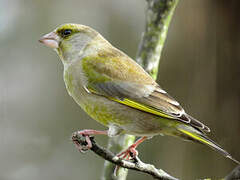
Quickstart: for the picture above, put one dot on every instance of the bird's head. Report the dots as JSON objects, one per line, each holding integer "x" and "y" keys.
{"x": 70, "y": 40}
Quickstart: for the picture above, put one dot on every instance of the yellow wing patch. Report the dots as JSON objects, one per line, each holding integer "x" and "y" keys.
{"x": 196, "y": 137}
{"x": 141, "y": 107}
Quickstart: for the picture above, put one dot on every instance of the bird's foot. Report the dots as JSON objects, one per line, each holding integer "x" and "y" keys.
{"x": 130, "y": 153}
{"x": 87, "y": 143}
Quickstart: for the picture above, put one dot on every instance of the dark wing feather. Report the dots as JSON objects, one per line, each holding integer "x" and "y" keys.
{"x": 160, "y": 99}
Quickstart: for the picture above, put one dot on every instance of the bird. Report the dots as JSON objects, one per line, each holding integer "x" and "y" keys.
{"x": 118, "y": 93}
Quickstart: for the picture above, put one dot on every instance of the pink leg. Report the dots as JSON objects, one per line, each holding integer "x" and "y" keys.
{"x": 86, "y": 133}
{"x": 130, "y": 152}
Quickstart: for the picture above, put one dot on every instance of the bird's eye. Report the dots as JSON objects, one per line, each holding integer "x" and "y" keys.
{"x": 66, "y": 32}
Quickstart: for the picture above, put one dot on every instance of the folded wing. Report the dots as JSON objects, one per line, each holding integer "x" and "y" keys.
{"x": 122, "y": 80}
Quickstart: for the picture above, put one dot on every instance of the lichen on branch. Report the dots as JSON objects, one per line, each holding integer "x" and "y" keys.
{"x": 158, "y": 16}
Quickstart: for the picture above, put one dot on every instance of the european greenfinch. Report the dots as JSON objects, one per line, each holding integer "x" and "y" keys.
{"x": 115, "y": 91}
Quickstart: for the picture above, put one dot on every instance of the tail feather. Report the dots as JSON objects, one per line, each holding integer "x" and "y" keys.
{"x": 200, "y": 137}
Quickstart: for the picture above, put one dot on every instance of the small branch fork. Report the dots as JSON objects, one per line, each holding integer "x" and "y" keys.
{"x": 135, "y": 163}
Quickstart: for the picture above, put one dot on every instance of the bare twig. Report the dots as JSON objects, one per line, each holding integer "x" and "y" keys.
{"x": 135, "y": 164}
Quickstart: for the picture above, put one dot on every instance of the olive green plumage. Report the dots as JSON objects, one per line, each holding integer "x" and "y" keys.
{"x": 115, "y": 91}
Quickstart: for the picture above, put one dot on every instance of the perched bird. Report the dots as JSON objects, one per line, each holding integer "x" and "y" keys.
{"x": 115, "y": 91}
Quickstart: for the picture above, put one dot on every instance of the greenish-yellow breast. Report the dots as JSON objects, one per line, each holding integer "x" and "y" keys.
{"x": 98, "y": 107}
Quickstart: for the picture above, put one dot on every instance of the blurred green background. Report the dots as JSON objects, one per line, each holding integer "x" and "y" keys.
{"x": 200, "y": 67}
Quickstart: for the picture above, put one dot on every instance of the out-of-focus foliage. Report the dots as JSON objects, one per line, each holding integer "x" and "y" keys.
{"x": 200, "y": 67}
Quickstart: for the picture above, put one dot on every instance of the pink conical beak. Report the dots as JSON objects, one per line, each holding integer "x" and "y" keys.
{"x": 51, "y": 40}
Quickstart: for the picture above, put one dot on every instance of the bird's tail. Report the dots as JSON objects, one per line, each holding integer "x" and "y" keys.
{"x": 202, "y": 138}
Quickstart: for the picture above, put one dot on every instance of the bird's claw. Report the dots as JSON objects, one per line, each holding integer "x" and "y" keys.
{"x": 130, "y": 154}
{"x": 85, "y": 143}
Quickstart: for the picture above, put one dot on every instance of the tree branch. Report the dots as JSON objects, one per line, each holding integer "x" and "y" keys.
{"x": 136, "y": 163}
{"x": 158, "y": 17}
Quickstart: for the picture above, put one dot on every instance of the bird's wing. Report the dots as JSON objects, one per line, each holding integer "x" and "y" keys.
{"x": 122, "y": 80}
